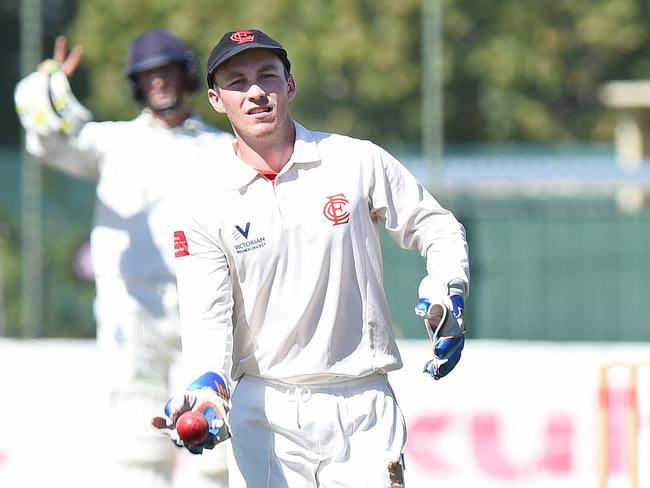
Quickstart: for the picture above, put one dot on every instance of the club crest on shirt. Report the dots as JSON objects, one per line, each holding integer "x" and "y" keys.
{"x": 336, "y": 209}
{"x": 249, "y": 244}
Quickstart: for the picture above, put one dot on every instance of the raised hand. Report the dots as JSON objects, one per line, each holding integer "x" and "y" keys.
{"x": 66, "y": 63}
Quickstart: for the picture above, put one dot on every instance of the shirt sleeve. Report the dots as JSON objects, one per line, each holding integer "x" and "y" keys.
{"x": 205, "y": 299}
{"x": 415, "y": 220}
{"x": 79, "y": 156}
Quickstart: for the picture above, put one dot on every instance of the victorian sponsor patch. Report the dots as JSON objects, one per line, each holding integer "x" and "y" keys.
{"x": 242, "y": 231}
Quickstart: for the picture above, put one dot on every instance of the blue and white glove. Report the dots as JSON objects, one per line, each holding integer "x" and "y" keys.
{"x": 208, "y": 395}
{"x": 442, "y": 308}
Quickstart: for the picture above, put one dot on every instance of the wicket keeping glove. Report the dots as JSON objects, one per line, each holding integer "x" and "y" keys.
{"x": 207, "y": 395}
{"x": 443, "y": 320}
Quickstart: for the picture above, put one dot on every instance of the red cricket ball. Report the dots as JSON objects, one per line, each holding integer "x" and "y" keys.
{"x": 192, "y": 428}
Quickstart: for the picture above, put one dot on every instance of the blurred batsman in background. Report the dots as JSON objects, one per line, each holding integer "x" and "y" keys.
{"x": 280, "y": 282}
{"x": 134, "y": 164}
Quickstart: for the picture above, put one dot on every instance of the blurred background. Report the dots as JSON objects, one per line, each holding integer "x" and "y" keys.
{"x": 529, "y": 120}
{"x": 497, "y": 106}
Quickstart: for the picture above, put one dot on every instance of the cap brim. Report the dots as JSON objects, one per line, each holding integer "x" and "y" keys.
{"x": 246, "y": 47}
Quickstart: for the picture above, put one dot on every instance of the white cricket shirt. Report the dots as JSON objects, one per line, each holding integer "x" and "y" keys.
{"x": 134, "y": 163}
{"x": 284, "y": 280}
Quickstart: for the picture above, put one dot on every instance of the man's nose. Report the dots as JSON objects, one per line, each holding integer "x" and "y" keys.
{"x": 157, "y": 80}
{"x": 256, "y": 91}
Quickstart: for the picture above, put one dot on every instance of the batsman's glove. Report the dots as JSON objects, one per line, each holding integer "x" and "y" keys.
{"x": 208, "y": 395}
{"x": 443, "y": 321}
{"x": 46, "y": 105}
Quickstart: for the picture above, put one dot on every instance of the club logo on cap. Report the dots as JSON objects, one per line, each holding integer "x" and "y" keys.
{"x": 242, "y": 37}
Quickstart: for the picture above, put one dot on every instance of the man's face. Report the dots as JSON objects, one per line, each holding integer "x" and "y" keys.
{"x": 163, "y": 87}
{"x": 253, "y": 90}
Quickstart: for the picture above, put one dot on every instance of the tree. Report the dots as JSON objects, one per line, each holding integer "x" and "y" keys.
{"x": 355, "y": 61}
{"x": 513, "y": 70}
{"x": 530, "y": 71}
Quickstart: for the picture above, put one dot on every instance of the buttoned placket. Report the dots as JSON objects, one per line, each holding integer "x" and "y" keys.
{"x": 284, "y": 203}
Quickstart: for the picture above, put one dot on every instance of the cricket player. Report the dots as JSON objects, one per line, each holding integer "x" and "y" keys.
{"x": 280, "y": 282}
{"x": 135, "y": 164}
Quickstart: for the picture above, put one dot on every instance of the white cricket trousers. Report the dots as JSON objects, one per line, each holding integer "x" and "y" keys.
{"x": 330, "y": 435}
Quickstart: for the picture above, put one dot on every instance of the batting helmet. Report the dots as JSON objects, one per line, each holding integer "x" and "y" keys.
{"x": 158, "y": 48}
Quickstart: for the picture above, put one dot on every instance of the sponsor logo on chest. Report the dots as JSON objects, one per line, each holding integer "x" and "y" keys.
{"x": 335, "y": 210}
{"x": 243, "y": 243}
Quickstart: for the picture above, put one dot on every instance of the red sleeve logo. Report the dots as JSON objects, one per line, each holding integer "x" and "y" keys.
{"x": 180, "y": 244}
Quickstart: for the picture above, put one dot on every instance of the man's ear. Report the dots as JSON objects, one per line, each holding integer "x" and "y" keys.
{"x": 215, "y": 101}
{"x": 291, "y": 83}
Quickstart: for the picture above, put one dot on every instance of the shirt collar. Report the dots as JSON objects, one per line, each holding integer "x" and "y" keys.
{"x": 236, "y": 174}
{"x": 305, "y": 149}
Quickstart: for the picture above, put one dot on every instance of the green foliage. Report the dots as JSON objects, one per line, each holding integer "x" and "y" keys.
{"x": 9, "y": 276}
{"x": 67, "y": 207}
{"x": 68, "y": 300}
{"x": 353, "y": 61}
{"x": 531, "y": 70}
{"x": 513, "y": 70}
